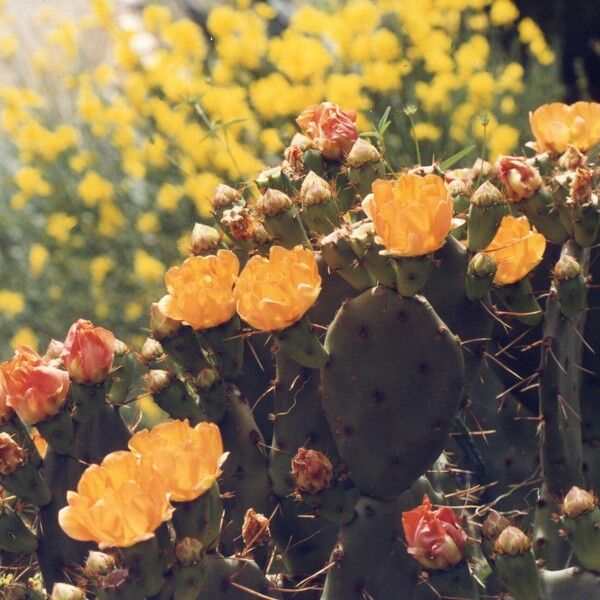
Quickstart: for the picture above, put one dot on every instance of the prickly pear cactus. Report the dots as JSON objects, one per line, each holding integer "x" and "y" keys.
{"x": 376, "y": 386}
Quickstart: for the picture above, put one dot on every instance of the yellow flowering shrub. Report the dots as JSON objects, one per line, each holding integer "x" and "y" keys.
{"x": 131, "y": 117}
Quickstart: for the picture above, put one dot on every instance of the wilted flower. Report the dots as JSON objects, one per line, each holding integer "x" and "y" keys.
{"x": 12, "y": 456}
{"x": 312, "y": 471}
{"x": 255, "y": 529}
{"x": 33, "y": 388}
{"x": 188, "y": 459}
{"x": 189, "y": 551}
{"x": 88, "y": 352}
{"x": 331, "y": 129}
{"x": 119, "y": 503}
{"x": 273, "y": 293}
{"x": 516, "y": 249}
{"x": 435, "y": 537}
{"x": 520, "y": 178}
{"x": 412, "y": 215}
{"x": 200, "y": 290}
{"x": 556, "y": 126}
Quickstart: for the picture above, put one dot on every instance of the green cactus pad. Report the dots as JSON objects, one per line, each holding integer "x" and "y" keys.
{"x": 391, "y": 388}
{"x": 231, "y": 578}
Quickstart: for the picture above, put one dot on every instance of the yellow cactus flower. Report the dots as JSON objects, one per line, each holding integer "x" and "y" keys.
{"x": 187, "y": 459}
{"x": 201, "y": 290}
{"x": 118, "y": 503}
{"x": 516, "y": 249}
{"x": 273, "y": 293}
{"x": 556, "y": 126}
{"x": 412, "y": 215}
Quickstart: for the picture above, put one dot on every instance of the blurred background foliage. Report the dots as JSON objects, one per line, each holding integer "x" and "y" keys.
{"x": 118, "y": 119}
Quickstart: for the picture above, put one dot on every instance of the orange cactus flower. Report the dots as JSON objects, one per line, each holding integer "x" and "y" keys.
{"x": 187, "y": 459}
{"x": 330, "y": 128}
{"x": 412, "y": 215}
{"x": 88, "y": 352}
{"x": 118, "y": 503}
{"x": 201, "y": 290}
{"x": 435, "y": 538}
{"x": 556, "y": 126}
{"x": 30, "y": 385}
{"x": 516, "y": 249}
{"x": 273, "y": 293}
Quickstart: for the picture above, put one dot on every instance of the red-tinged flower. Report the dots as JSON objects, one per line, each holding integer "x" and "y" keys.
{"x": 435, "y": 537}
{"x": 520, "y": 179}
{"x": 331, "y": 129}
{"x": 88, "y": 352}
{"x": 32, "y": 387}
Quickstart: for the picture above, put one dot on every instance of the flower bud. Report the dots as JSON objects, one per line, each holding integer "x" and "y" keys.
{"x": 312, "y": 471}
{"x": 578, "y": 502}
{"x": 362, "y": 153}
{"x": 566, "y": 268}
{"x": 259, "y": 234}
{"x": 64, "y": 591}
{"x": 494, "y": 525}
{"x": 315, "y": 190}
{"x": 482, "y": 168}
{"x": 512, "y": 541}
{"x": 156, "y": 381}
{"x": 457, "y": 187}
{"x": 486, "y": 195}
{"x": 520, "y": 179}
{"x": 189, "y": 551}
{"x": 255, "y": 529}
{"x": 88, "y": 352}
{"x": 161, "y": 325}
{"x": 224, "y": 195}
{"x": 239, "y": 223}
{"x": 99, "y": 563}
{"x": 205, "y": 239}
{"x": 273, "y": 202}
{"x": 151, "y": 350}
{"x": 573, "y": 159}
{"x": 482, "y": 266}
{"x": 12, "y": 456}
{"x": 207, "y": 378}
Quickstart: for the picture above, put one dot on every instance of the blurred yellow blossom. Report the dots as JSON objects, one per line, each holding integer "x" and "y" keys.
{"x": 148, "y": 223}
{"x": 59, "y": 225}
{"x": 24, "y": 337}
{"x": 147, "y": 267}
{"x": 38, "y": 255}
{"x": 503, "y": 12}
{"x": 100, "y": 266}
{"x": 93, "y": 188}
{"x": 11, "y": 303}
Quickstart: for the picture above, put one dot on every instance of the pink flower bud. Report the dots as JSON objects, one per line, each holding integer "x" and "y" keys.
{"x": 435, "y": 538}
{"x": 520, "y": 179}
{"x": 331, "y": 129}
{"x": 88, "y": 352}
